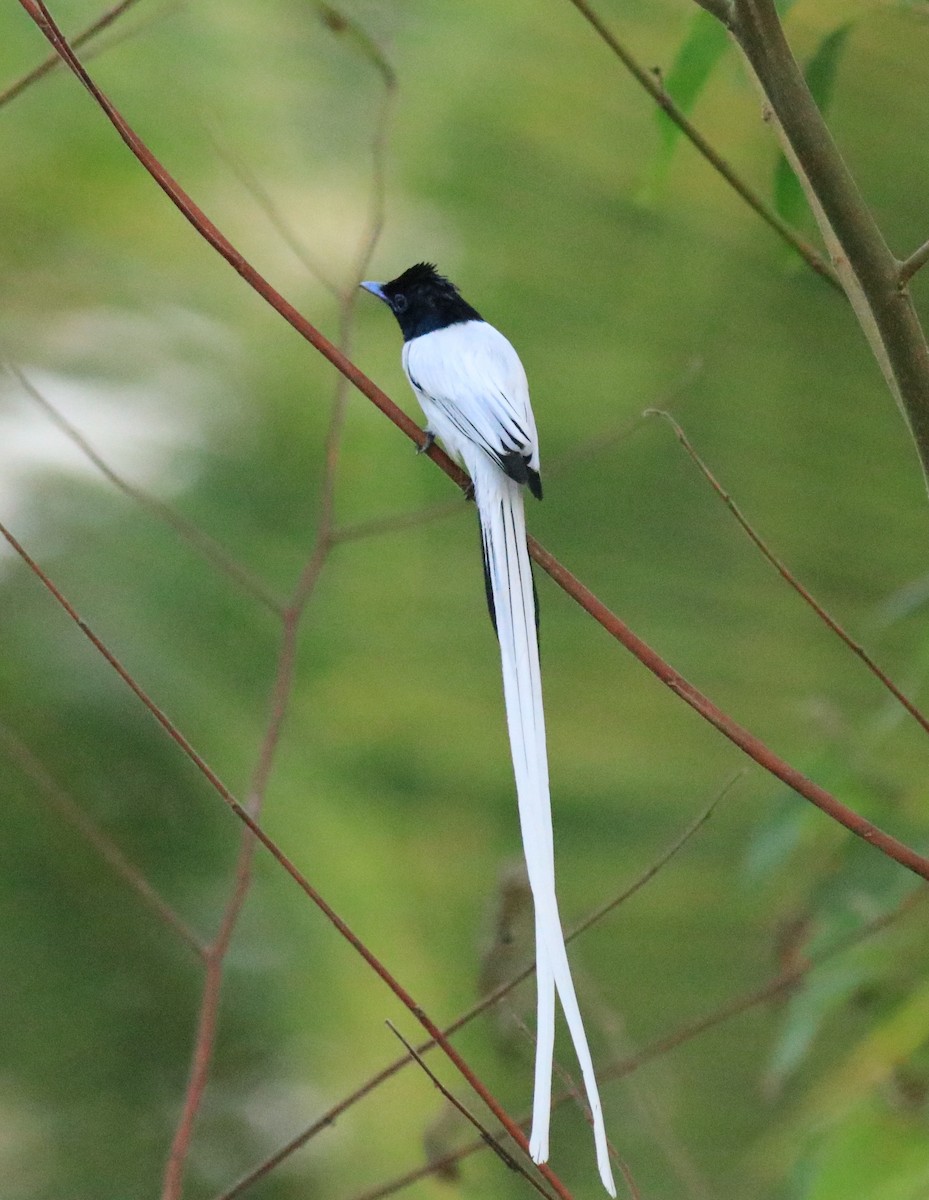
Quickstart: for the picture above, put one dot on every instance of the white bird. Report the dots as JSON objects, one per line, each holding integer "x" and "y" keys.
{"x": 473, "y": 390}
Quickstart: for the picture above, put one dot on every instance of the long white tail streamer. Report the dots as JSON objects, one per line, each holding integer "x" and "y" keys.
{"x": 503, "y": 530}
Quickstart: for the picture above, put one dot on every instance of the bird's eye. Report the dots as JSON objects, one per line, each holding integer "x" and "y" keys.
{"x": 400, "y": 303}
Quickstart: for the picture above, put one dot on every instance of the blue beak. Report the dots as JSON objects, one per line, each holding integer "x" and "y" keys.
{"x": 376, "y": 289}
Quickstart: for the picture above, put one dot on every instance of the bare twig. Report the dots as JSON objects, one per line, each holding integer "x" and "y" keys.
{"x": 97, "y": 26}
{"x": 267, "y": 205}
{"x": 66, "y": 808}
{"x": 486, "y": 1002}
{"x": 767, "y": 992}
{"x": 649, "y": 874}
{"x": 573, "y": 1092}
{"x": 788, "y": 576}
{"x": 205, "y": 545}
{"x": 911, "y": 265}
{"x": 397, "y": 522}
{"x": 655, "y": 89}
{"x": 608, "y": 439}
{"x": 486, "y": 1136}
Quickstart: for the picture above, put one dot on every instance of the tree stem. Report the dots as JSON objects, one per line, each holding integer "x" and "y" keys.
{"x": 905, "y": 358}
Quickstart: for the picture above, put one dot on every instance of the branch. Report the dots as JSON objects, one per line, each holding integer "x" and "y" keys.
{"x": 902, "y": 351}
{"x": 205, "y": 545}
{"x": 486, "y": 1136}
{"x": 102, "y": 22}
{"x": 66, "y": 808}
{"x": 788, "y": 577}
{"x": 655, "y": 89}
{"x": 911, "y": 265}
{"x": 736, "y": 733}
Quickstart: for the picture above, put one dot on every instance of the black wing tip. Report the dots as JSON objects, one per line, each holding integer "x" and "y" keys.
{"x": 515, "y": 465}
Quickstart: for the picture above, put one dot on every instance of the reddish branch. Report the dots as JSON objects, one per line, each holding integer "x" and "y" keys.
{"x": 736, "y": 733}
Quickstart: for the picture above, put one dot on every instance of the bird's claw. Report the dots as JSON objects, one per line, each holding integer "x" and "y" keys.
{"x": 427, "y": 443}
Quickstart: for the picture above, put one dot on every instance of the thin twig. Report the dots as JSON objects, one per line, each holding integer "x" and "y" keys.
{"x": 396, "y": 523}
{"x": 482, "y": 1005}
{"x": 655, "y": 89}
{"x": 195, "y": 537}
{"x": 767, "y": 992}
{"x": 573, "y": 1092}
{"x": 646, "y": 877}
{"x": 68, "y": 810}
{"x": 97, "y": 26}
{"x": 787, "y": 575}
{"x": 265, "y": 202}
{"x": 486, "y": 1136}
{"x": 598, "y": 443}
{"x": 911, "y": 265}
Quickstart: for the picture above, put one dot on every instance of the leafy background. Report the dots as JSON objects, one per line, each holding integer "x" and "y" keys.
{"x": 530, "y": 167}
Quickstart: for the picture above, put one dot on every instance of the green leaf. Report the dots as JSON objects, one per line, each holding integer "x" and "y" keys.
{"x": 875, "y": 1154}
{"x": 874, "y": 1058}
{"x": 701, "y": 50}
{"x": 821, "y": 71}
{"x": 824, "y": 992}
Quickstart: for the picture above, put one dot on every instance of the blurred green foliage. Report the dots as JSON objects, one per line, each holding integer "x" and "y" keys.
{"x": 518, "y": 158}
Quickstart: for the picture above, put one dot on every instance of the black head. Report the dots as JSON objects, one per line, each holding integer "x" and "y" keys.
{"x": 422, "y": 300}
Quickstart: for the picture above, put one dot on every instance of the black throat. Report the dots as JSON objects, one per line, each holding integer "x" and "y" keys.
{"x": 423, "y": 301}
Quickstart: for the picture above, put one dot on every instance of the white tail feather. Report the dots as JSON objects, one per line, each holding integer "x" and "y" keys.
{"x": 503, "y": 528}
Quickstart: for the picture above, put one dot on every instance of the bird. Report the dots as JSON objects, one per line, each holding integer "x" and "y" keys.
{"x": 473, "y": 390}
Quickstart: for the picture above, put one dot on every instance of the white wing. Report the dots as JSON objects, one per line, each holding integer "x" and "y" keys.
{"x": 473, "y": 389}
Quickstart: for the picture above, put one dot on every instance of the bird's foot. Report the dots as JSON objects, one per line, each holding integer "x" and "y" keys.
{"x": 427, "y": 443}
